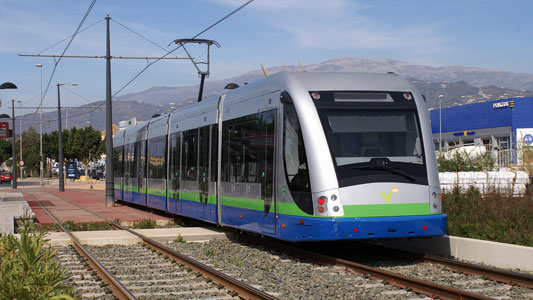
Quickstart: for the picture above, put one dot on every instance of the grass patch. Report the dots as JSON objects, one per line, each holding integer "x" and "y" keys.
{"x": 498, "y": 217}
{"x": 144, "y": 224}
{"x": 28, "y": 269}
{"x": 71, "y": 226}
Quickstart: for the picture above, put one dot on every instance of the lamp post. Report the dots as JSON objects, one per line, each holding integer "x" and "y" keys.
{"x": 20, "y": 126}
{"x": 40, "y": 66}
{"x": 60, "y": 139}
{"x": 68, "y": 97}
{"x": 440, "y": 122}
{"x": 9, "y": 85}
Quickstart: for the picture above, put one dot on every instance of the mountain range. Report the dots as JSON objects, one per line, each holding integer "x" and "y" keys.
{"x": 457, "y": 84}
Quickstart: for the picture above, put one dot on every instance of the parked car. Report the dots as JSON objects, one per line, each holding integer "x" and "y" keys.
{"x": 6, "y": 176}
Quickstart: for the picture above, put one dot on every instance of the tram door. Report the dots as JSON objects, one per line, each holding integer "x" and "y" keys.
{"x": 266, "y": 153}
{"x": 204, "y": 180}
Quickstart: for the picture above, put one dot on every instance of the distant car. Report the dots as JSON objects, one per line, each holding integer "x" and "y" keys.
{"x": 6, "y": 176}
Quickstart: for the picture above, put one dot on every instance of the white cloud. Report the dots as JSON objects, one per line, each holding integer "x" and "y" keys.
{"x": 342, "y": 25}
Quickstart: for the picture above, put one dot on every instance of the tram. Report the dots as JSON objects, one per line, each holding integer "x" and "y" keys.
{"x": 308, "y": 156}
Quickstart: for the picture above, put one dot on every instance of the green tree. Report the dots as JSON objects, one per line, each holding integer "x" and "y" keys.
{"x": 31, "y": 149}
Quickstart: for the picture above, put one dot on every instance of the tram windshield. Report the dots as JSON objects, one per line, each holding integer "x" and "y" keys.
{"x": 366, "y": 144}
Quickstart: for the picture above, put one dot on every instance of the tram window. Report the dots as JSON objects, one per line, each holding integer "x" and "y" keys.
{"x": 190, "y": 157}
{"x": 203, "y": 167}
{"x": 141, "y": 161}
{"x": 214, "y": 152}
{"x": 174, "y": 157}
{"x": 117, "y": 162}
{"x": 296, "y": 167}
{"x": 240, "y": 149}
{"x": 156, "y": 157}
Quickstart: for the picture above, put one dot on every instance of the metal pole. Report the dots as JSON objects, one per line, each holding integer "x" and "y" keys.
{"x": 60, "y": 140}
{"x": 66, "y": 116}
{"x": 14, "y": 149}
{"x": 201, "y": 87}
{"x": 109, "y": 180}
{"x": 41, "y": 132}
{"x": 440, "y": 123}
{"x": 20, "y": 126}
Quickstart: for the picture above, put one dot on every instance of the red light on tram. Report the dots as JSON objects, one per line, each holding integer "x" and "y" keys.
{"x": 301, "y": 221}
{"x": 440, "y": 197}
{"x": 425, "y": 227}
{"x": 320, "y": 201}
{"x": 283, "y": 225}
{"x": 355, "y": 230}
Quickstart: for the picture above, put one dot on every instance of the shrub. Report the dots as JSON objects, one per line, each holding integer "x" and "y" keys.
{"x": 28, "y": 269}
{"x": 460, "y": 161}
{"x": 498, "y": 217}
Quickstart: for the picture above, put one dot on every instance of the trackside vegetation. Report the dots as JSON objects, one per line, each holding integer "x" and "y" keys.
{"x": 27, "y": 267}
{"x": 497, "y": 216}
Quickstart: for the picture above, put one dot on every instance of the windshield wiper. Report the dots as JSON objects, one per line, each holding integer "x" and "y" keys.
{"x": 386, "y": 169}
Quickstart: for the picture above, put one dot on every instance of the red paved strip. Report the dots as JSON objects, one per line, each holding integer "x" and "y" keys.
{"x": 93, "y": 200}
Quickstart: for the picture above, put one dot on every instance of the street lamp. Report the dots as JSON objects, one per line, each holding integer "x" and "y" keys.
{"x": 68, "y": 97}
{"x": 440, "y": 122}
{"x": 20, "y": 126}
{"x": 40, "y": 66}
{"x": 9, "y": 85}
{"x": 60, "y": 139}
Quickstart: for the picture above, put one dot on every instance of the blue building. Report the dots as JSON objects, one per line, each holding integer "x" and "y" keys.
{"x": 503, "y": 124}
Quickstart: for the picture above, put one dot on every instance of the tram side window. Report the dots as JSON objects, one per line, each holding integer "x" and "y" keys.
{"x": 295, "y": 159}
{"x": 156, "y": 157}
{"x": 203, "y": 167}
{"x": 240, "y": 149}
{"x": 140, "y": 147}
{"x": 214, "y": 152}
{"x": 190, "y": 157}
{"x": 117, "y": 162}
{"x": 174, "y": 157}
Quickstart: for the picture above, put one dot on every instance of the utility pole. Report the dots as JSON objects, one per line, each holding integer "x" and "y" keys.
{"x": 20, "y": 126}
{"x": 109, "y": 180}
{"x": 14, "y": 149}
{"x": 60, "y": 139}
{"x": 40, "y": 66}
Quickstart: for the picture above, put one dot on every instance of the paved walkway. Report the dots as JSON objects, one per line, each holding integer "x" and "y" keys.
{"x": 65, "y": 205}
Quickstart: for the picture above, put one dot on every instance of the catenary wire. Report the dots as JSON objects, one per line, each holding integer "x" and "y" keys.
{"x": 138, "y": 34}
{"x": 171, "y": 51}
{"x": 66, "y": 48}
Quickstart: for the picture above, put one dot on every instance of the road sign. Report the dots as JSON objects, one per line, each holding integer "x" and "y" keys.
{"x": 4, "y": 130}
{"x": 21, "y": 163}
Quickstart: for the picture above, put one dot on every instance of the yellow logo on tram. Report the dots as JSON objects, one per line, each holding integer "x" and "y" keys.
{"x": 388, "y": 196}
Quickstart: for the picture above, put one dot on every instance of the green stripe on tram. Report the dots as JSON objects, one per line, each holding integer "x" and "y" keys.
{"x": 386, "y": 210}
{"x": 157, "y": 192}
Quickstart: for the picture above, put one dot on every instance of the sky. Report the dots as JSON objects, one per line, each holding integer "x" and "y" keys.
{"x": 490, "y": 34}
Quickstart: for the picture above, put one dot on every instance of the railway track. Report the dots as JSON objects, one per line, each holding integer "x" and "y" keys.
{"x": 435, "y": 277}
{"x": 145, "y": 271}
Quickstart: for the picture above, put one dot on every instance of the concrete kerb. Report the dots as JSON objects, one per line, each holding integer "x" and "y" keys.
{"x": 119, "y": 237}
{"x": 13, "y": 206}
{"x": 494, "y": 254}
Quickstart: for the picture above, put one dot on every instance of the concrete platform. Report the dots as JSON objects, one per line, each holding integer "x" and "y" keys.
{"x": 495, "y": 254}
{"x": 109, "y": 237}
{"x": 12, "y": 207}
{"x": 93, "y": 200}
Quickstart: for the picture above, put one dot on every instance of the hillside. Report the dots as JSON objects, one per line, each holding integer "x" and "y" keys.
{"x": 458, "y": 85}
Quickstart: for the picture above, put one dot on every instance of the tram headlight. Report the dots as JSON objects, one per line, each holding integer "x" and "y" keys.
{"x": 435, "y": 200}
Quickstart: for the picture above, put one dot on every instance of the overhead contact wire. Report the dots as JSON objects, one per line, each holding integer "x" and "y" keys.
{"x": 197, "y": 35}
